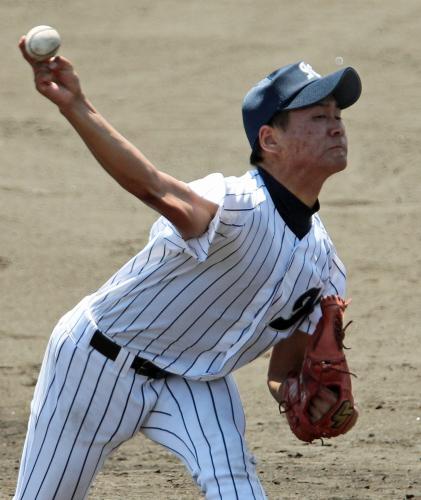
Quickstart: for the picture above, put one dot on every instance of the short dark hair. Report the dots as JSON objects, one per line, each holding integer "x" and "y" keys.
{"x": 279, "y": 120}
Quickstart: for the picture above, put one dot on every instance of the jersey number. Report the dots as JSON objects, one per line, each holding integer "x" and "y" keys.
{"x": 303, "y": 306}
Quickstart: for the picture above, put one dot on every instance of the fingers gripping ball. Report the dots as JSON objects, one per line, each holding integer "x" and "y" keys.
{"x": 42, "y": 42}
{"x": 324, "y": 365}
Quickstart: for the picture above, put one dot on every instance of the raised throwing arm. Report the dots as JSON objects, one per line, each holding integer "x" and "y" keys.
{"x": 56, "y": 80}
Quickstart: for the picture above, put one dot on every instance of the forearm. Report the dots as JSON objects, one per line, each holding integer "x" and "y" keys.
{"x": 172, "y": 198}
{"x": 274, "y": 389}
{"x": 277, "y": 374}
{"x": 123, "y": 161}
{"x": 286, "y": 358}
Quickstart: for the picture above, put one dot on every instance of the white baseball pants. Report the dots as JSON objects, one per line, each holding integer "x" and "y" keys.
{"x": 86, "y": 405}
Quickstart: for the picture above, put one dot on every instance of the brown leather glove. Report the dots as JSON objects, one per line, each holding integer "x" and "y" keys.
{"x": 324, "y": 365}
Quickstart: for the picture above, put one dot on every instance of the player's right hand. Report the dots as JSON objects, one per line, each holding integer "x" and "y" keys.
{"x": 55, "y": 79}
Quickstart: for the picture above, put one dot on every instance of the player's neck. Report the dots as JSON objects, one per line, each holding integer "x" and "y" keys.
{"x": 305, "y": 187}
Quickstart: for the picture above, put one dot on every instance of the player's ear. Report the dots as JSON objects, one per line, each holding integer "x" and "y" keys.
{"x": 268, "y": 139}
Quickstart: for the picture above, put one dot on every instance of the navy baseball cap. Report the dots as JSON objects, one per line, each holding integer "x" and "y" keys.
{"x": 296, "y": 86}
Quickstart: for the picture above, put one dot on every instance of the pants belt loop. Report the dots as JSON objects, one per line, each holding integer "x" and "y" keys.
{"x": 122, "y": 363}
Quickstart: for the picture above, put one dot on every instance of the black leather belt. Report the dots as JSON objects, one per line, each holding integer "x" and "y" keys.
{"x": 110, "y": 349}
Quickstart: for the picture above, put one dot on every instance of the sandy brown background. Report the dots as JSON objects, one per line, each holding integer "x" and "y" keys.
{"x": 171, "y": 76}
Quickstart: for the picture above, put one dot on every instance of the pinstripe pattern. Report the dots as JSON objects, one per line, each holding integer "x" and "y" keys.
{"x": 92, "y": 405}
{"x": 212, "y": 444}
{"x": 200, "y": 308}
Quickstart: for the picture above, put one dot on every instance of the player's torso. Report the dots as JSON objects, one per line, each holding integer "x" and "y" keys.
{"x": 203, "y": 319}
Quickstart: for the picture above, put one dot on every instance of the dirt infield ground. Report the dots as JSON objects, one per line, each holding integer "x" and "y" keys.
{"x": 171, "y": 75}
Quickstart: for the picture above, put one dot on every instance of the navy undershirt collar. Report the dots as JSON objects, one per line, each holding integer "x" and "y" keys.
{"x": 296, "y": 214}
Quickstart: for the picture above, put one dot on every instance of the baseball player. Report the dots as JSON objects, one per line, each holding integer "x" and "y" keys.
{"x": 233, "y": 267}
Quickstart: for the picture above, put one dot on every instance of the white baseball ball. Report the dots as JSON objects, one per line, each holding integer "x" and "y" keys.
{"x": 42, "y": 42}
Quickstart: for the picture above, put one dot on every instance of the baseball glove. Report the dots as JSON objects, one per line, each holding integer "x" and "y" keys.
{"x": 324, "y": 365}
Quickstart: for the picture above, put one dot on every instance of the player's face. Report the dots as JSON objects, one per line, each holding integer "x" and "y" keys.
{"x": 315, "y": 138}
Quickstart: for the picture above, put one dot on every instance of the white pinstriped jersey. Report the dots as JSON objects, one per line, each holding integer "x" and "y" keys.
{"x": 201, "y": 308}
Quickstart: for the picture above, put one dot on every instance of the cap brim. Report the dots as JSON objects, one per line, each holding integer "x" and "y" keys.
{"x": 344, "y": 85}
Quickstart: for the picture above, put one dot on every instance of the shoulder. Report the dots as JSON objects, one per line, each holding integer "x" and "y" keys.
{"x": 237, "y": 197}
{"x": 245, "y": 192}
{"x": 321, "y": 231}
{"x": 232, "y": 192}
{"x": 319, "y": 224}
{"x": 335, "y": 262}
{"x": 211, "y": 187}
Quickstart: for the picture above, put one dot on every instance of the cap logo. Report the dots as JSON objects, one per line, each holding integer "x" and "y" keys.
{"x": 308, "y": 70}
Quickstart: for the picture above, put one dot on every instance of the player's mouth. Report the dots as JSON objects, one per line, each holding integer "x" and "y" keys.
{"x": 339, "y": 147}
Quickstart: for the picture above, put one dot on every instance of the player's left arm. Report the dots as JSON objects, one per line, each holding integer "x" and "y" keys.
{"x": 286, "y": 358}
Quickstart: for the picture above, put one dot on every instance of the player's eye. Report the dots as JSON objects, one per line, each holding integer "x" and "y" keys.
{"x": 319, "y": 117}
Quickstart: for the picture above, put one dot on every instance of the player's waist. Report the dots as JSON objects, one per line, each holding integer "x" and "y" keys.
{"x": 111, "y": 350}
{"x": 85, "y": 333}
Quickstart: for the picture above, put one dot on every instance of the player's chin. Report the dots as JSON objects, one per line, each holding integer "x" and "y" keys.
{"x": 341, "y": 166}
{"x": 338, "y": 160}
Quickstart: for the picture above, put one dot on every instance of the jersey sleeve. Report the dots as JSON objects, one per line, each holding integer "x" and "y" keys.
{"x": 334, "y": 285}
{"x": 337, "y": 278}
{"x": 223, "y": 225}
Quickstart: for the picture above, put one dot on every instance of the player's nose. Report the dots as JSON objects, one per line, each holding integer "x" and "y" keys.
{"x": 336, "y": 127}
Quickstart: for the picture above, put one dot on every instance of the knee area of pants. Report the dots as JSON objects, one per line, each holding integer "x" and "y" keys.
{"x": 227, "y": 484}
